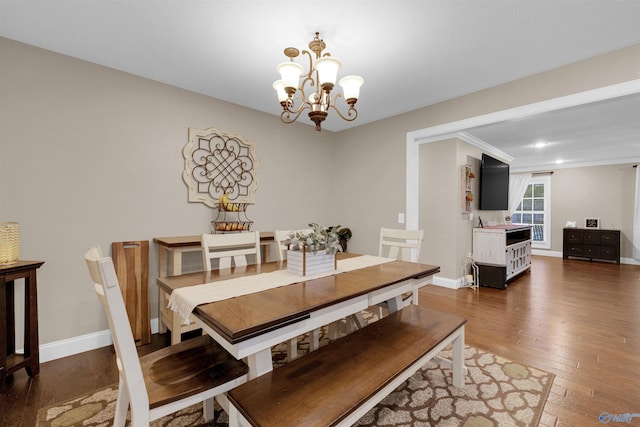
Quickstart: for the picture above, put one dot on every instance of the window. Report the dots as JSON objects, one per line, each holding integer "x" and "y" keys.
{"x": 535, "y": 209}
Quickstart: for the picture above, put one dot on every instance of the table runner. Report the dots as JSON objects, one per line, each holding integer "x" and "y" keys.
{"x": 184, "y": 300}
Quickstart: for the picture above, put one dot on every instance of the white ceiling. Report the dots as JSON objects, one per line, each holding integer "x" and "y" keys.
{"x": 410, "y": 53}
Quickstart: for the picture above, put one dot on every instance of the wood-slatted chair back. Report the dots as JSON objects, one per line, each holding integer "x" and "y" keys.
{"x": 281, "y": 236}
{"x": 402, "y": 245}
{"x": 231, "y": 248}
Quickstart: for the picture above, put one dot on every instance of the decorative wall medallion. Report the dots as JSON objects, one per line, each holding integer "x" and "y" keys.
{"x": 218, "y": 162}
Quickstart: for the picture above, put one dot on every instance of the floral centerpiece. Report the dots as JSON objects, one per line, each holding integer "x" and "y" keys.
{"x": 319, "y": 239}
{"x": 313, "y": 252}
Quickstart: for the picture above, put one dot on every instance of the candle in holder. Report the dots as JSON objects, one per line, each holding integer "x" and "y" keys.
{"x": 9, "y": 243}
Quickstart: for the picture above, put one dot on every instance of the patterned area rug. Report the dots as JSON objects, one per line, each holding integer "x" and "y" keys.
{"x": 497, "y": 392}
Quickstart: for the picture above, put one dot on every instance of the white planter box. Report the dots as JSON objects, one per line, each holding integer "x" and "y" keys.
{"x": 305, "y": 263}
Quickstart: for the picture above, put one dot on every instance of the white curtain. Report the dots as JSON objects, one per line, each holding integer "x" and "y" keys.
{"x": 636, "y": 218}
{"x": 518, "y": 183}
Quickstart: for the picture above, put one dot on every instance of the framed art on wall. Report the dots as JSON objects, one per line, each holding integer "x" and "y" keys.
{"x": 592, "y": 223}
{"x": 218, "y": 163}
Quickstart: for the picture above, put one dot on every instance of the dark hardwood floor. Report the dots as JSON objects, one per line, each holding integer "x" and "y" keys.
{"x": 579, "y": 320}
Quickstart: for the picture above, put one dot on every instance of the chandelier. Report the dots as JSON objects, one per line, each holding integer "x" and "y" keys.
{"x": 320, "y": 80}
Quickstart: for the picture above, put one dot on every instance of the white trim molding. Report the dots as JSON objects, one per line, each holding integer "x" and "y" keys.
{"x": 456, "y": 129}
{"x": 447, "y": 283}
{"x": 80, "y": 344}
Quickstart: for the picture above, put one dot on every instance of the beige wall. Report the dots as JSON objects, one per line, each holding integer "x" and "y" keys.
{"x": 89, "y": 155}
{"x": 605, "y": 192}
{"x": 375, "y": 154}
{"x": 439, "y": 205}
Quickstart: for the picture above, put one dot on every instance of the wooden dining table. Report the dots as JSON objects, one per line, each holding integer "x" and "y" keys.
{"x": 249, "y": 325}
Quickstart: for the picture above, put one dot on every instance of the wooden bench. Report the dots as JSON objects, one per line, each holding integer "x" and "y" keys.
{"x": 339, "y": 383}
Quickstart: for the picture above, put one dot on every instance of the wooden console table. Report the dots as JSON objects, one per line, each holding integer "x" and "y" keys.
{"x": 9, "y": 361}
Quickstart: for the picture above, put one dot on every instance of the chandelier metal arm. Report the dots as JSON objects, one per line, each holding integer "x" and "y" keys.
{"x": 319, "y": 101}
{"x": 289, "y": 115}
{"x": 351, "y": 111}
{"x": 285, "y": 116}
{"x": 310, "y": 63}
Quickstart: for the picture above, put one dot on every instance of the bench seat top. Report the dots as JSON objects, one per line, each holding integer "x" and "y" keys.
{"x": 325, "y": 386}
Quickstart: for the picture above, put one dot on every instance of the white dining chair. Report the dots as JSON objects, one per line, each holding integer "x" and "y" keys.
{"x": 230, "y": 249}
{"x": 224, "y": 247}
{"x": 403, "y": 245}
{"x": 281, "y": 237}
{"x": 169, "y": 379}
{"x": 172, "y": 320}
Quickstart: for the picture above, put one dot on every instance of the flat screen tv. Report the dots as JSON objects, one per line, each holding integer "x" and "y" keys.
{"x": 494, "y": 184}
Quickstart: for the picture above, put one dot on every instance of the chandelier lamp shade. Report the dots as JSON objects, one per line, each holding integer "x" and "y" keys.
{"x": 319, "y": 81}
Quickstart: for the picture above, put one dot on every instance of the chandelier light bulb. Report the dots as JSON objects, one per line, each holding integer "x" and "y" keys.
{"x": 290, "y": 73}
{"x": 327, "y": 68}
{"x": 351, "y": 87}
{"x": 282, "y": 94}
{"x": 320, "y": 79}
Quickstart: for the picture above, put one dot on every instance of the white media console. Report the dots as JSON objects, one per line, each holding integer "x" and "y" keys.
{"x": 501, "y": 253}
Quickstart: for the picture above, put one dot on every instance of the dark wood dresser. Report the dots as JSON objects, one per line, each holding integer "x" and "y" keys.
{"x": 591, "y": 243}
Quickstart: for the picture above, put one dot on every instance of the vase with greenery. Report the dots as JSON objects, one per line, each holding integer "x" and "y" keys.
{"x": 344, "y": 234}
{"x": 313, "y": 252}
{"x": 326, "y": 239}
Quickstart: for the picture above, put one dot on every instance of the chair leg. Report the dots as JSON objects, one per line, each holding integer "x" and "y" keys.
{"x": 292, "y": 349}
{"x": 351, "y": 325}
{"x": 234, "y": 416}
{"x": 139, "y": 418}
{"x": 207, "y": 409}
{"x": 162, "y": 328}
{"x": 314, "y": 339}
{"x": 334, "y": 330}
{"x": 122, "y": 405}
{"x": 358, "y": 320}
{"x": 176, "y": 322}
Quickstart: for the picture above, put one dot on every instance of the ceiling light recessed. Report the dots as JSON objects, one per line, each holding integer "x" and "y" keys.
{"x": 559, "y": 162}
{"x": 540, "y": 144}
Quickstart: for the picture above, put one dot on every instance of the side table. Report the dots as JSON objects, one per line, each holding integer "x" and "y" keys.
{"x": 30, "y": 360}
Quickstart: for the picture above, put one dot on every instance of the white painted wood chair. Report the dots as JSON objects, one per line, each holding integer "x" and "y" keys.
{"x": 169, "y": 379}
{"x": 281, "y": 236}
{"x": 222, "y": 247}
{"x": 230, "y": 249}
{"x": 403, "y": 245}
{"x": 174, "y": 321}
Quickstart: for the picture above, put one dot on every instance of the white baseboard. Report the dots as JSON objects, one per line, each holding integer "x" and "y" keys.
{"x": 80, "y": 344}
{"x": 75, "y": 345}
{"x": 447, "y": 283}
{"x": 545, "y": 252}
{"x": 70, "y": 346}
